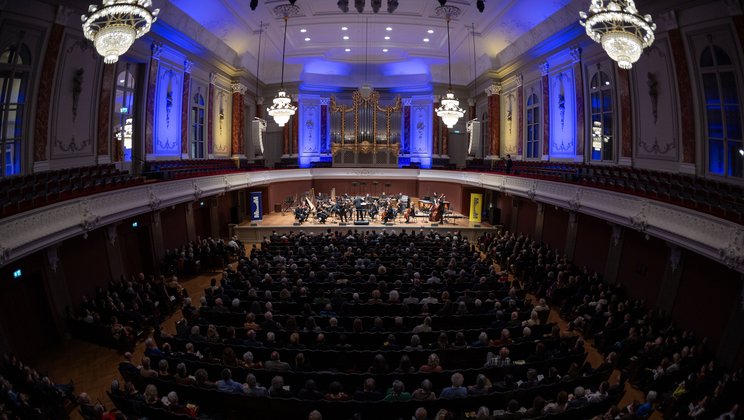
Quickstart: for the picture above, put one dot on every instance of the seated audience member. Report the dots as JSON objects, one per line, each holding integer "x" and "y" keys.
{"x": 601, "y": 393}
{"x": 432, "y": 365}
{"x": 126, "y": 367}
{"x": 397, "y": 392}
{"x": 578, "y": 399}
{"x": 310, "y": 391}
{"x": 502, "y": 360}
{"x": 404, "y": 366}
{"x": 368, "y": 391}
{"x": 163, "y": 372}
{"x": 145, "y": 370}
{"x": 275, "y": 364}
{"x": 315, "y": 415}
{"x": 424, "y": 327}
{"x": 482, "y": 386}
{"x": 531, "y": 381}
{"x": 644, "y": 410}
{"x": 151, "y": 396}
{"x": 202, "y": 379}
{"x": 456, "y": 390}
{"x": 415, "y": 344}
{"x": 513, "y": 411}
{"x": 182, "y": 376}
{"x": 336, "y": 392}
{"x": 226, "y": 384}
{"x": 277, "y": 389}
{"x": 252, "y": 388}
{"x": 559, "y": 405}
{"x": 379, "y": 365}
{"x": 171, "y": 403}
{"x": 538, "y": 405}
{"x": 424, "y": 393}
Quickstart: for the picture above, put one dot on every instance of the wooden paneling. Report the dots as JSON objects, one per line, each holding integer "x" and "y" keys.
{"x": 85, "y": 264}
{"x": 592, "y": 243}
{"x": 555, "y": 227}
{"x": 174, "y": 226}
{"x": 505, "y": 204}
{"x": 642, "y": 266}
{"x": 526, "y": 218}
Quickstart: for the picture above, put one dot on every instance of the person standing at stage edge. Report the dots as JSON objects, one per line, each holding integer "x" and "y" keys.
{"x": 359, "y": 208}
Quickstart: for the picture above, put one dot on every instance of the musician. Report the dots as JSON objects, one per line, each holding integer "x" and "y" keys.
{"x": 302, "y": 213}
{"x": 389, "y": 214}
{"x": 359, "y": 206}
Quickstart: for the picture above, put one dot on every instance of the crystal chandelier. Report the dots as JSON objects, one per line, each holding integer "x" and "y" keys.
{"x": 282, "y": 107}
{"x": 449, "y": 110}
{"x": 622, "y": 31}
{"x": 114, "y": 27}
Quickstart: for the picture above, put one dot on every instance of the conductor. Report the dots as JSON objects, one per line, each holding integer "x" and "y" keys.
{"x": 359, "y": 205}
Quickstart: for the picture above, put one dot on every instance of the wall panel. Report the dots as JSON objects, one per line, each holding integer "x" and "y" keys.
{"x": 592, "y": 243}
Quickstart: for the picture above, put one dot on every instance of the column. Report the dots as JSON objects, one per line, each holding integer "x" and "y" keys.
{"x": 156, "y": 236}
{"x": 435, "y": 128}
{"x": 684, "y": 85}
{"x": 405, "y": 138}
{"x": 190, "y": 224}
{"x": 295, "y": 127}
{"x": 57, "y": 290}
{"x": 614, "y": 254}
{"x": 520, "y": 115}
{"x": 733, "y": 335}
{"x": 545, "y": 71}
{"x": 185, "y": 107}
{"x": 44, "y": 99}
{"x": 573, "y": 227}
{"x": 670, "y": 281}
{"x": 539, "y": 221}
{"x": 210, "y": 115}
{"x": 113, "y": 251}
{"x": 152, "y": 79}
{"x": 494, "y": 120}
{"x": 214, "y": 218}
{"x": 445, "y": 142}
{"x": 626, "y": 119}
{"x": 515, "y": 214}
{"x": 104, "y": 115}
{"x": 471, "y": 109}
{"x": 238, "y": 120}
{"x": 325, "y": 146}
{"x": 579, "y": 88}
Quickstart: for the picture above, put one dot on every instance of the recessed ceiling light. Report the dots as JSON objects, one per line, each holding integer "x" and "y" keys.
{"x": 344, "y": 28}
{"x": 387, "y": 38}
{"x": 388, "y": 29}
{"x": 426, "y": 39}
{"x": 307, "y": 39}
{"x": 303, "y": 30}
{"x": 121, "y": 81}
{"x": 384, "y": 50}
{"x": 430, "y": 31}
{"x": 346, "y": 37}
{"x": 348, "y": 50}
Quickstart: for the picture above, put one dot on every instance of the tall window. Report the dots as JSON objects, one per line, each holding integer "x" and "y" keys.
{"x": 533, "y": 126}
{"x": 15, "y": 68}
{"x": 722, "y": 112}
{"x": 126, "y": 85}
{"x": 601, "y": 133}
{"x": 197, "y": 126}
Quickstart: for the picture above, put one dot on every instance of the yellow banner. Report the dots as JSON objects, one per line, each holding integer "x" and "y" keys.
{"x": 476, "y": 207}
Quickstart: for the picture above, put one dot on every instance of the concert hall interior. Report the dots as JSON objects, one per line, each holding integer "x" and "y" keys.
{"x": 428, "y": 209}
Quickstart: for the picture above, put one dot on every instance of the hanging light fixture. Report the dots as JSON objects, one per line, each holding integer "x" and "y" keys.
{"x": 622, "y": 31}
{"x": 114, "y": 27}
{"x": 365, "y": 89}
{"x": 282, "y": 107}
{"x": 449, "y": 110}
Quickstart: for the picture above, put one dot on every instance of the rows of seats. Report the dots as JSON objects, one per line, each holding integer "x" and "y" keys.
{"x": 721, "y": 199}
{"x": 22, "y": 193}
{"x": 189, "y": 168}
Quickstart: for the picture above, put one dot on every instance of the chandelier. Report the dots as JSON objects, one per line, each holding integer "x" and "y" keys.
{"x": 114, "y": 27}
{"x": 365, "y": 89}
{"x": 282, "y": 107}
{"x": 622, "y": 31}
{"x": 449, "y": 110}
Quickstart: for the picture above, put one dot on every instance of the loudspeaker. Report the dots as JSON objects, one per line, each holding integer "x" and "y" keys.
{"x": 361, "y": 222}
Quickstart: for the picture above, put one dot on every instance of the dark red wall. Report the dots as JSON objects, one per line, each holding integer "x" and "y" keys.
{"x": 279, "y": 191}
{"x": 85, "y": 264}
{"x": 526, "y": 218}
{"x": 592, "y": 243}
{"x": 174, "y": 226}
{"x": 201, "y": 219}
{"x": 707, "y": 294}
{"x": 555, "y": 227}
{"x": 505, "y": 204}
{"x": 642, "y": 266}
{"x": 136, "y": 246}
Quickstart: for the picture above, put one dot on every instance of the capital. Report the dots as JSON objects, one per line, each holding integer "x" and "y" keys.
{"x": 238, "y": 87}
{"x": 544, "y": 68}
{"x": 187, "y": 66}
{"x": 575, "y": 54}
{"x": 493, "y": 89}
{"x": 157, "y": 49}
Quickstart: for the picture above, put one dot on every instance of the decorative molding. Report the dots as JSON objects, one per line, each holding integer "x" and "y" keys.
{"x": 112, "y": 234}
{"x": 238, "y": 87}
{"x": 63, "y": 15}
{"x": 675, "y": 257}
{"x": 157, "y": 50}
{"x": 188, "y": 65}
{"x": 575, "y": 53}
{"x": 544, "y": 68}
{"x": 519, "y": 80}
{"x": 53, "y": 257}
{"x": 493, "y": 89}
{"x": 666, "y": 21}
{"x": 617, "y": 235}
{"x": 721, "y": 240}
{"x": 407, "y": 101}
{"x": 325, "y": 101}
{"x": 156, "y": 218}
{"x": 213, "y": 78}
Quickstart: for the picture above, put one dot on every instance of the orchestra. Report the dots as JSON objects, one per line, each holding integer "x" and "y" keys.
{"x": 385, "y": 208}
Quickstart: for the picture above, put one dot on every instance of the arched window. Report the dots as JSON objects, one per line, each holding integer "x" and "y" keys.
{"x": 602, "y": 117}
{"x": 198, "y": 111}
{"x": 722, "y": 113}
{"x": 15, "y": 68}
{"x": 533, "y": 126}
{"x": 124, "y": 112}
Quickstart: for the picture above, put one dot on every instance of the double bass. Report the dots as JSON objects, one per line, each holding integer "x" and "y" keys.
{"x": 437, "y": 209}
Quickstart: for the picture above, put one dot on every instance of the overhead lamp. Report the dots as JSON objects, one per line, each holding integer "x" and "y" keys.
{"x": 366, "y": 89}
{"x": 622, "y": 31}
{"x": 114, "y": 27}
{"x": 449, "y": 110}
{"x": 282, "y": 108}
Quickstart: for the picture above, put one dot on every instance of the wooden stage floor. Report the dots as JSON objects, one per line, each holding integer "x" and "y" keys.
{"x": 249, "y": 231}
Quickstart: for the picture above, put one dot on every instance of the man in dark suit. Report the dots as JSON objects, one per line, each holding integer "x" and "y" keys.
{"x": 359, "y": 206}
{"x": 508, "y": 164}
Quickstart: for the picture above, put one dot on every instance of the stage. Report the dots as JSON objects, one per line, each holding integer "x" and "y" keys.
{"x": 285, "y": 221}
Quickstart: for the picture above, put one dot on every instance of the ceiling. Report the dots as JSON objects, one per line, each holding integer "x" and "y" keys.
{"x": 323, "y": 60}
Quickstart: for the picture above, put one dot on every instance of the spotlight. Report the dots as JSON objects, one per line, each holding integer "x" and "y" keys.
{"x": 254, "y": 3}
{"x": 481, "y": 5}
{"x": 376, "y": 4}
{"x": 359, "y": 5}
{"x": 343, "y": 5}
{"x": 392, "y": 5}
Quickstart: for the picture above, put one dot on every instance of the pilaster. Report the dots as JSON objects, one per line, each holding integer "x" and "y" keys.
{"x": 614, "y": 254}
{"x": 185, "y": 107}
{"x": 494, "y": 120}
{"x": 545, "y": 71}
{"x": 573, "y": 227}
{"x": 152, "y": 78}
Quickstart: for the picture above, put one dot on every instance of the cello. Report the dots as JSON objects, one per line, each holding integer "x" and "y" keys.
{"x": 435, "y": 209}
